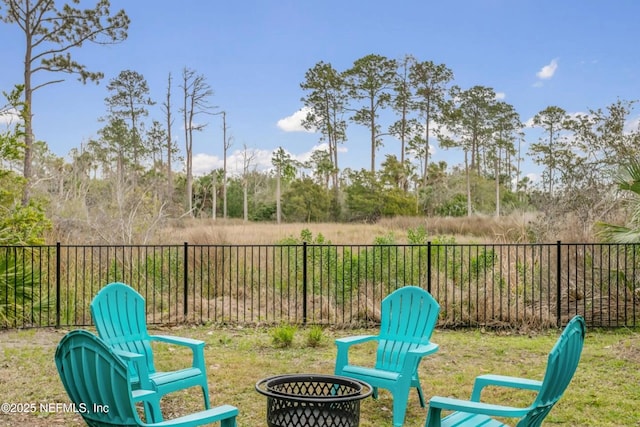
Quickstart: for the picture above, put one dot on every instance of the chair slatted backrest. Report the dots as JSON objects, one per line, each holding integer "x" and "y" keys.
{"x": 119, "y": 315}
{"x": 96, "y": 380}
{"x": 409, "y": 316}
{"x": 561, "y": 366}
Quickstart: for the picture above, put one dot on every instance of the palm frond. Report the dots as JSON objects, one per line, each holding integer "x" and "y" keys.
{"x": 617, "y": 233}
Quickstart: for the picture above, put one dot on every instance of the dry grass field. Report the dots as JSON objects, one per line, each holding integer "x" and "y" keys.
{"x": 476, "y": 229}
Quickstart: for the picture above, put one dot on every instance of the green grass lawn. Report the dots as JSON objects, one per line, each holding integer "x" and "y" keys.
{"x": 604, "y": 392}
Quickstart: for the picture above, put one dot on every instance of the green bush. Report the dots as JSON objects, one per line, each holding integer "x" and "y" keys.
{"x": 315, "y": 336}
{"x": 282, "y": 336}
{"x": 20, "y": 303}
{"x": 456, "y": 206}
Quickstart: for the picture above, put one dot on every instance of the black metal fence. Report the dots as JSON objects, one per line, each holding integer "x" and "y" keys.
{"x": 492, "y": 285}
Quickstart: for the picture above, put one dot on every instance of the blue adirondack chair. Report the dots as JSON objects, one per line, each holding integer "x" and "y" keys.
{"x": 98, "y": 382}
{"x": 408, "y": 318}
{"x": 561, "y": 365}
{"x": 118, "y": 312}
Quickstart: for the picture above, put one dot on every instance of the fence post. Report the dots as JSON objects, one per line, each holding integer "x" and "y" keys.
{"x": 558, "y": 284}
{"x": 304, "y": 283}
{"x": 429, "y": 266}
{"x": 185, "y": 280}
{"x": 58, "y": 287}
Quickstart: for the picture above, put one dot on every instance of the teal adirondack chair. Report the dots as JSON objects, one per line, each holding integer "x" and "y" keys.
{"x": 98, "y": 383}
{"x": 118, "y": 312}
{"x": 561, "y": 365}
{"x": 408, "y": 318}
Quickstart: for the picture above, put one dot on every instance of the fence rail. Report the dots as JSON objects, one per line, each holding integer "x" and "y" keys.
{"x": 492, "y": 285}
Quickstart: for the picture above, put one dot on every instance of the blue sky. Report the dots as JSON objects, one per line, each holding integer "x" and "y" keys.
{"x": 578, "y": 55}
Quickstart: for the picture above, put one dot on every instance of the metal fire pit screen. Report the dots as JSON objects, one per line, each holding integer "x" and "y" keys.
{"x": 309, "y": 400}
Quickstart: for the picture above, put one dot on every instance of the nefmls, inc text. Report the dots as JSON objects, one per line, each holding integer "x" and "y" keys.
{"x": 81, "y": 408}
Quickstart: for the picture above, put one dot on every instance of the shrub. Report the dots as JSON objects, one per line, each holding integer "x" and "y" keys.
{"x": 20, "y": 303}
{"x": 456, "y": 206}
{"x": 315, "y": 336}
{"x": 282, "y": 336}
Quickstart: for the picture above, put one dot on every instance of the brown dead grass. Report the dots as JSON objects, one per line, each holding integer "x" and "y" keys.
{"x": 476, "y": 229}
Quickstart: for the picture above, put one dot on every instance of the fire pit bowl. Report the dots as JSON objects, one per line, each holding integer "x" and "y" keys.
{"x": 310, "y": 400}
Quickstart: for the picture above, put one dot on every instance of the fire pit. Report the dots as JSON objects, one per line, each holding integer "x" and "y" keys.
{"x": 309, "y": 400}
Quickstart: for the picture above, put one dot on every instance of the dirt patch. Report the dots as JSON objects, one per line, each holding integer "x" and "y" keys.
{"x": 40, "y": 337}
{"x": 628, "y": 349}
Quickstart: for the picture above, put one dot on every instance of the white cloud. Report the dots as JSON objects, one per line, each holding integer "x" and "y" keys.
{"x": 440, "y": 129}
{"x": 500, "y": 95}
{"x": 261, "y": 160}
{"x": 293, "y": 123}
{"x": 534, "y": 177}
{"x": 578, "y": 114}
{"x": 529, "y": 123}
{"x": 632, "y": 125}
{"x": 306, "y": 156}
{"x": 303, "y": 157}
{"x": 533, "y": 180}
{"x": 548, "y": 70}
{"x": 204, "y": 163}
{"x": 9, "y": 116}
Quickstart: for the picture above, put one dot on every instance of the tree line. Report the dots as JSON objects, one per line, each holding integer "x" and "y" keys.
{"x": 123, "y": 184}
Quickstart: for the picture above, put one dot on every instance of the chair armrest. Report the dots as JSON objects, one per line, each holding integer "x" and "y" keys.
{"x": 424, "y": 350}
{"x": 483, "y": 381}
{"x": 188, "y": 342}
{"x": 196, "y": 346}
{"x": 438, "y": 403}
{"x": 128, "y": 356}
{"x": 343, "y": 345}
{"x": 357, "y": 339}
{"x": 142, "y": 395}
{"x": 140, "y": 362}
{"x": 219, "y": 413}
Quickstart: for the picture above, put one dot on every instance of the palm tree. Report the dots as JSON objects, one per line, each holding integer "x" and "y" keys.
{"x": 20, "y": 302}
{"x": 628, "y": 181}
